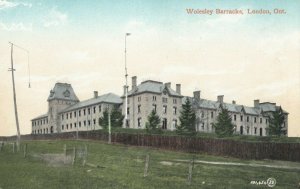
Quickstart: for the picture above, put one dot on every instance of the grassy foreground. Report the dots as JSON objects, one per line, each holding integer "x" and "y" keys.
{"x": 123, "y": 167}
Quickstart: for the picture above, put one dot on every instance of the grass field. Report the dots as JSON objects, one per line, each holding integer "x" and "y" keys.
{"x": 123, "y": 167}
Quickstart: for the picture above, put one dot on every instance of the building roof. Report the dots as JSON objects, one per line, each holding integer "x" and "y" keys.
{"x": 152, "y": 87}
{"x": 62, "y": 91}
{"x": 106, "y": 98}
{"x": 40, "y": 116}
{"x": 214, "y": 105}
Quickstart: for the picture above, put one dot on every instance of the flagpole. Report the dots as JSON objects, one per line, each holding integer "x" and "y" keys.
{"x": 126, "y": 86}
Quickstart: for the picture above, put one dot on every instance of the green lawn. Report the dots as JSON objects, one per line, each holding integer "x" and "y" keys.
{"x": 124, "y": 168}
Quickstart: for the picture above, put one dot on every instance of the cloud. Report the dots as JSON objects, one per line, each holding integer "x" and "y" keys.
{"x": 15, "y": 26}
{"x": 55, "y": 18}
{"x": 4, "y": 4}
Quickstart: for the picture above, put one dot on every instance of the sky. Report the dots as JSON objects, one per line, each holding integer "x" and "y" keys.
{"x": 243, "y": 57}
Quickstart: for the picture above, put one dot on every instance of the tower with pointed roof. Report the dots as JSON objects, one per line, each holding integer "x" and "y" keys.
{"x": 60, "y": 97}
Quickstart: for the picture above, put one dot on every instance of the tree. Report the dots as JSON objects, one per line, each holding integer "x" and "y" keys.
{"x": 153, "y": 123}
{"x": 187, "y": 120}
{"x": 223, "y": 126}
{"x": 276, "y": 123}
{"x": 116, "y": 118}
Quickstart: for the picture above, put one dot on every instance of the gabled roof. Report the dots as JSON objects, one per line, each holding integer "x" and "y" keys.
{"x": 152, "y": 87}
{"x": 268, "y": 107}
{"x": 39, "y": 117}
{"x": 62, "y": 91}
{"x": 106, "y": 98}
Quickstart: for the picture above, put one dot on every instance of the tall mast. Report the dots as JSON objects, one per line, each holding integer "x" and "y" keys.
{"x": 126, "y": 85}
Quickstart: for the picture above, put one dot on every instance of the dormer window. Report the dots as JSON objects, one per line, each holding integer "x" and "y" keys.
{"x": 66, "y": 93}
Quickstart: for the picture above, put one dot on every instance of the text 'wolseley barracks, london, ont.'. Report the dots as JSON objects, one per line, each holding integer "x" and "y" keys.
{"x": 204, "y": 11}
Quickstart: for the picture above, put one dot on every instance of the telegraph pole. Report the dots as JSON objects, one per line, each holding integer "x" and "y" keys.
{"x": 14, "y": 94}
{"x": 126, "y": 86}
{"x": 14, "y": 89}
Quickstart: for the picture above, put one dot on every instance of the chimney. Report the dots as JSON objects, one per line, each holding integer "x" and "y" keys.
{"x": 233, "y": 102}
{"x": 178, "y": 88}
{"x": 197, "y": 95}
{"x": 168, "y": 84}
{"x": 95, "y": 94}
{"x": 256, "y": 103}
{"x": 220, "y": 98}
{"x": 133, "y": 82}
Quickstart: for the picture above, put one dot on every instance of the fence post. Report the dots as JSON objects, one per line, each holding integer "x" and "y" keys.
{"x": 25, "y": 150}
{"x": 146, "y": 166}
{"x": 74, "y": 155}
{"x": 85, "y": 155}
{"x": 65, "y": 153}
{"x": 13, "y": 147}
{"x": 190, "y": 172}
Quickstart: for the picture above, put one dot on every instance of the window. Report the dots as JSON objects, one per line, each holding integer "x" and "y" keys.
{"x": 241, "y": 118}
{"x": 234, "y": 117}
{"x": 127, "y": 123}
{"x": 62, "y": 116}
{"x": 260, "y": 120}
{"x": 165, "y": 100}
{"x": 154, "y": 98}
{"x": 83, "y": 111}
{"x": 247, "y": 118}
{"x": 89, "y": 111}
{"x": 139, "y": 108}
{"x": 89, "y": 122}
{"x": 84, "y": 123}
{"x": 154, "y": 107}
{"x": 164, "y": 109}
{"x": 67, "y": 115}
{"x": 202, "y": 114}
{"x": 164, "y": 124}
{"x": 174, "y": 101}
{"x": 174, "y": 124}
{"x": 266, "y": 121}
{"x": 94, "y": 121}
{"x": 75, "y": 125}
{"x": 70, "y": 125}
{"x": 99, "y": 108}
{"x": 62, "y": 127}
{"x": 139, "y": 122}
{"x": 79, "y": 124}
{"x": 67, "y": 126}
{"x": 79, "y": 113}
{"x": 174, "y": 110}
{"x": 254, "y": 119}
{"x": 128, "y": 111}
{"x": 212, "y": 114}
{"x": 70, "y": 115}
{"x": 255, "y": 130}
{"x": 139, "y": 99}
{"x": 94, "y": 109}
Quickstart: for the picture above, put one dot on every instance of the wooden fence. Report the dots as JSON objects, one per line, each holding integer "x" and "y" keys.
{"x": 214, "y": 146}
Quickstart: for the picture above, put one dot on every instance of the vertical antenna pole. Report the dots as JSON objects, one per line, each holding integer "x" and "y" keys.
{"x": 14, "y": 96}
{"x": 126, "y": 85}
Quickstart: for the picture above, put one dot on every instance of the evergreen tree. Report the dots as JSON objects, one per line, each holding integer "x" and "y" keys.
{"x": 103, "y": 121}
{"x": 187, "y": 120}
{"x": 276, "y": 123}
{"x": 153, "y": 123}
{"x": 116, "y": 118}
{"x": 223, "y": 126}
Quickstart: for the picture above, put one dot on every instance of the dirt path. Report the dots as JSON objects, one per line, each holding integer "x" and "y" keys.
{"x": 239, "y": 164}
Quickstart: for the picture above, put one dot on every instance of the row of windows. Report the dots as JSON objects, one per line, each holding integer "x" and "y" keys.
{"x": 40, "y": 122}
{"x": 248, "y": 119}
{"x": 84, "y": 123}
{"x": 164, "y": 99}
{"x": 154, "y": 108}
{"x": 164, "y": 123}
{"x": 43, "y": 131}
{"x": 86, "y": 111}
